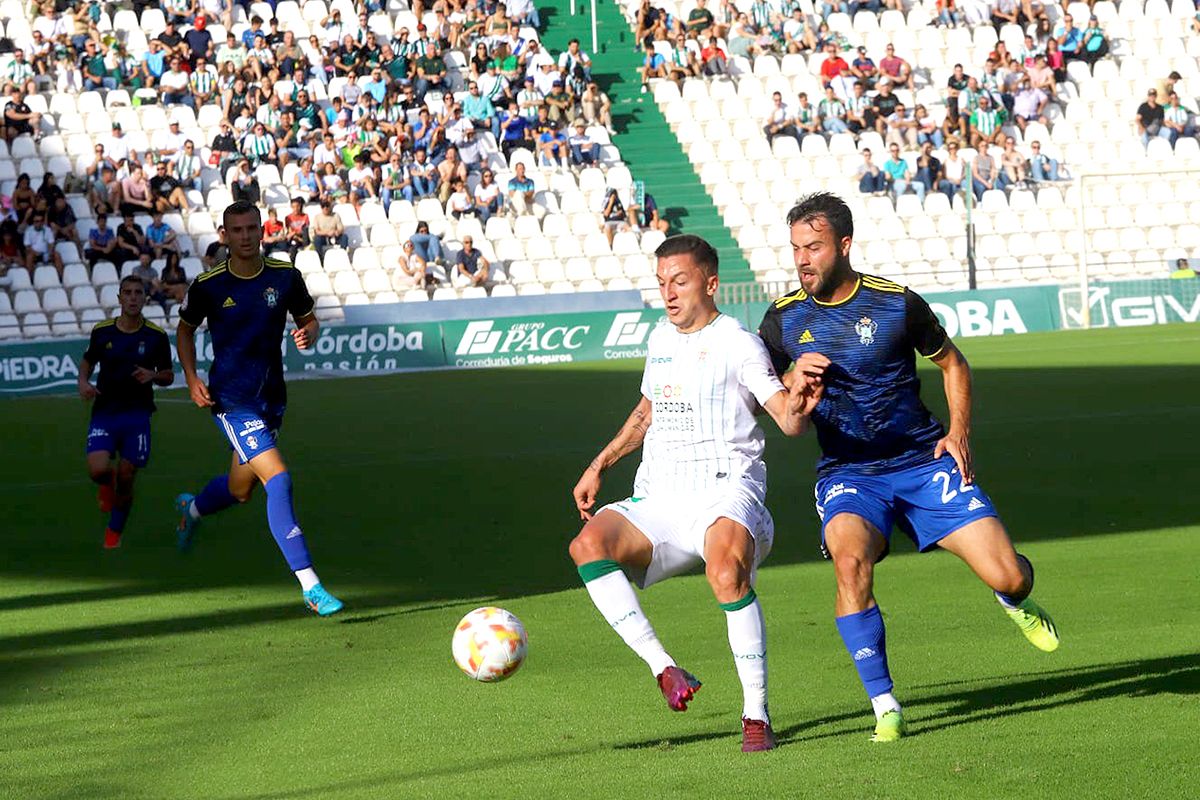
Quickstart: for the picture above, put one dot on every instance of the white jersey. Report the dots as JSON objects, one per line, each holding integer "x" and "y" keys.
{"x": 704, "y": 387}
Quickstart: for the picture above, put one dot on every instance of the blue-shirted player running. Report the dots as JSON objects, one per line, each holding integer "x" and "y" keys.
{"x": 246, "y": 300}
{"x": 133, "y": 355}
{"x": 885, "y": 458}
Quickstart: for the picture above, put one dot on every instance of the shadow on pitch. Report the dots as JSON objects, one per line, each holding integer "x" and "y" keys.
{"x": 1036, "y": 692}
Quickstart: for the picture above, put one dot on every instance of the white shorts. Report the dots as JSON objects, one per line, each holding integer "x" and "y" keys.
{"x": 676, "y": 525}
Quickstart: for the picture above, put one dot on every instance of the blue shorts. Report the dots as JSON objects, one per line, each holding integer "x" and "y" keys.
{"x": 250, "y": 432}
{"x": 928, "y": 502}
{"x": 123, "y": 432}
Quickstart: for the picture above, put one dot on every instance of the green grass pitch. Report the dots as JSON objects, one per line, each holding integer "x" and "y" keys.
{"x": 142, "y": 673}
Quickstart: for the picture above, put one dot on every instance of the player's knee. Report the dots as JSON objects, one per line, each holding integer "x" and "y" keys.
{"x": 588, "y": 546}
{"x": 125, "y": 473}
{"x": 728, "y": 579}
{"x": 854, "y": 572}
{"x": 241, "y": 493}
{"x": 99, "y": 474}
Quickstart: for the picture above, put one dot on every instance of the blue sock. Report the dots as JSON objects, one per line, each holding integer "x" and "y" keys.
{"x": 119, "y": 516}
{"x": 215, "y": 496}
{"x": 282, "y": 520}
{"x": 864, "y": 637}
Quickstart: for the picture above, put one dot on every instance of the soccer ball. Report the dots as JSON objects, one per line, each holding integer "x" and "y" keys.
{"x": 489, "y": 644}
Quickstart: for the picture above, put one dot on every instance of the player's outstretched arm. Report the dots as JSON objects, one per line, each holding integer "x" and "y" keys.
{"x": 956, "y": 378}
{"x": 185, "y": 345}
{"x": 628, "y": 439}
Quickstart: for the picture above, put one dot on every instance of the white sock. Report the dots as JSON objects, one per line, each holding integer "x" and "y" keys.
{"x": 617, "y": 602}
{"x": 748, "y": 641}
{"x": 883, "y": 703}
{"x": 193, "y": 512}
{"x": 307, "y": 577}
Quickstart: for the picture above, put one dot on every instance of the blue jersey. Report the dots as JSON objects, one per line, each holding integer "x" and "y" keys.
{"x": 871, "y": 417}
{"x": 118, "y": 354}
{"x": 246, "y": 319}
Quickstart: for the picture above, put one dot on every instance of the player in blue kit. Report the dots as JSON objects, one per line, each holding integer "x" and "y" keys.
{"x": 246, "y": 300}
{"x": 133, "y": 356}
{"x": 885, "y": 458}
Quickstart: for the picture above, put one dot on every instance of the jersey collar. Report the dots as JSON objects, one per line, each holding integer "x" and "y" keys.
{"x": 847, "y": 298}
{"x": 262, "y": 264}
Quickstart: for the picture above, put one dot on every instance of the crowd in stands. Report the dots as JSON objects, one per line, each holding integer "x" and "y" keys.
{"x": 361, "y": 111}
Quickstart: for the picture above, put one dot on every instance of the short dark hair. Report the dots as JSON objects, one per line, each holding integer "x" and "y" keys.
{"x": 828, "y": 206}
{"x": 240, "y": 207}
{"x": 686, "y": 244}
{"x": 131, "y": 279}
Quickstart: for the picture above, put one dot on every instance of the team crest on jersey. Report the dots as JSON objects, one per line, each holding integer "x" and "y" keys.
{"x": 271, "y": 296}
{"x": 141, "y": 348}
{"x": 865, "y": 328}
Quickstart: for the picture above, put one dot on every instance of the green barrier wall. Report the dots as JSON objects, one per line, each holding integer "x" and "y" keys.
{"x": 53, "y": 366}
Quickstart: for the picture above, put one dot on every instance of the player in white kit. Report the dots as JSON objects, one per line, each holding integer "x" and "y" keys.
{"x": 700, "y": 490}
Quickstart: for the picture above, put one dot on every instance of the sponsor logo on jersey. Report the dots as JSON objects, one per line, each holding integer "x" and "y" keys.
{"x": 865, "y": 328}
{"x": 806, "y": 338}
{"x": 975, "y": 504}
{"x": 141, "y": 348}
{"x": 667, "y": 391}
{"x": 271, "y": 295}
{"x": 228, "y": 303}
{"x": 252, "y": 425}
{"x": 252, "y": 442}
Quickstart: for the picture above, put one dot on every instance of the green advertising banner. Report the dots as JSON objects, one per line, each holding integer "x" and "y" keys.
{"x": 347, "y": 350}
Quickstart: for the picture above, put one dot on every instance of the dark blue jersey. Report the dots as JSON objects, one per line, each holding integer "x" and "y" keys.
{"x": 118, "y": 354}
{"x": 246, "y": 319}
{"x": 871, "y": 417}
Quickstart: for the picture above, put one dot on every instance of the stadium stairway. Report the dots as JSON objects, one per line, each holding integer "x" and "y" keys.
{"x": 648, "y": 145}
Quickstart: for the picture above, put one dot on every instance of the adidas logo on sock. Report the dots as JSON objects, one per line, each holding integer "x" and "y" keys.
{"x": 863, "y": 652}
{"x": 294, "y": 532}
{"x": 975, "y": 504}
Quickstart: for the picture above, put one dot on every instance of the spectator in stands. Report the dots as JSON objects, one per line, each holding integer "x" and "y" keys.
{"x": 1029, "y": 104}
{"x": 576, "y": 65}
{"x": 165, "y": 190}
{"x": 653, "y": 66}
{"x": 244, "y": 185}
{"x": 160, "y": 238}
{"x": 20, "y": 73}
{"x": 449, "y": 170}
{"x": 584, "y": 151}
{"x": 779, "y": 119}
{"x": 259, "y": 147}
{"x": 427, "y": 245}
{"x": 1150, "y": 117}
{"x": 514, "y": 131}
{"x": 297, "y": 228}
{"x": 174, "y": 85}
{"x": 199, "y": 41}
{"x": 1177, "y": 120}
{"x": 186, "y": 165}
{"x": 431, "y": 72}
{"x": 488, "y": 200}
{"x": 833, "y": 67}
{"x": 948, "y": 15}
{"x": 22, "y": 200}
{"x": 560, "y": 105}
{"x": 460, "y": 202}
{"x": 900, "y": 176}
{"x": 1013, "y": 162}
{"x": 217, "y": 251}
{"x": 135, "y": 193}
{"x": 1056, "y": 61}
{"x": 361, "y": 181}
{"x": 102, "y": 242}
{"x": 39, "y": 245}
{"x": 520, "y": 191}
{"x": 1041, "y": 75}
{"x": 900, "y": 129}
{"x": 651, "y": 23}
{"x": 480, "y": 111}
{"x": 307, "y": 183}
{"x": 859, "y": 115}
{"x": 1183, "y": 270}
{"x": 20, "y": 119}
{"x": 929, "y": 170}
{"x": 131, "y": 239}
{"x": 898, "y": 70}
{"x": 615, "y": 219}
{"x": 61, "y": 218}
{"x": 328, "y": 230}
{"x": 552, "y": 146}
{"x": 424, "y": 175}
{"x": 832, "y": 113}
{"x": 596, "y": 108}
{"x": 713, "y": 60}
{"x": 1069, "y": 38}
{"x": 333, "y": 186}
{"x": 986, "y": 123}
{"x": 274, "y": 235}
{"x": 863, "y": 68}
{"x": 682, "y": 63}
{"x": 12, "y": 253}
{"x": 986, "y": 173}
{"x": 472, "y": 265}
{"x": 883, "y": 105}
{"x": 224, "y": 146}
{"x": 927, "y": 128}
{"x": 700, "y": 20}
{"x": 412, "y": 270}
{"x": 954, "y": 170}
{"x": 1041, "y": 166}
{"x": 1094, "y": 43}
